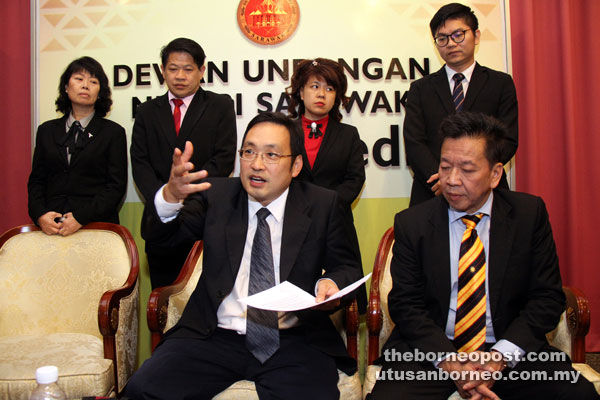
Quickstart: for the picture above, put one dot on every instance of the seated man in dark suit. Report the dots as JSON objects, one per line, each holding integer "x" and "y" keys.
{"x": 460, "y": 85}
{"x": 476, "y": 283}
{"x": 258, "y": 230}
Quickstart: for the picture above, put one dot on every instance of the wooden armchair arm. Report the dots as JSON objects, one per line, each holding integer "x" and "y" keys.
{"x": 374, "y": 314}
{"x": 578, "y": 321}
{"x": 352, "y": 324}
{"x": 158, "y": 303}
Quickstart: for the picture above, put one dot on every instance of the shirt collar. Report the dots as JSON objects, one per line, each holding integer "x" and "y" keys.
{"x": 83, "y": 121}
{"x": 486, "y": 209}
{"x": 276, "y": 207}
{"x": 186, "y": 100}
{"x": 467, "y": 72}
{"x": 323, "y": 120}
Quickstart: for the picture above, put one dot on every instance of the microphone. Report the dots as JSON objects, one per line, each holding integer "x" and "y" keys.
{"x": 313, "y": 127}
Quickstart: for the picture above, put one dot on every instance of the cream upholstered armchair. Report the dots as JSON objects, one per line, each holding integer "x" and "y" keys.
{"x": 71, "y": 302}
{"x": 569, "y": 335}
{"x": 166, "y": 305}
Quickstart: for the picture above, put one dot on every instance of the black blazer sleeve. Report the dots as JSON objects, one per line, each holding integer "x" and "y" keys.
{"x": 354, "y": 175}
{"x": 508, "y": 114}
{"x": 38, "y": 178}
{"x": 417, "y": 134}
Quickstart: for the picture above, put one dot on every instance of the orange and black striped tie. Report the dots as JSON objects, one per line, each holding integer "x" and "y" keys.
{"x": 469, "y": 328}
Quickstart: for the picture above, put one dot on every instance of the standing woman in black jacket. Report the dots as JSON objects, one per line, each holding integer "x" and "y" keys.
{"x": 333, "y": 156}
{"x": 79, "y": 171}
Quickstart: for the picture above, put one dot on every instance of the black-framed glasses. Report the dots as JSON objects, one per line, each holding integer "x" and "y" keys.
{"x": 457, "y": 37}
{"x": 268, "y": 157}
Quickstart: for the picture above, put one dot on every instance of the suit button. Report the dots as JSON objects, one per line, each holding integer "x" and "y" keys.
{"x": 220, "y": 294}
{"x": 205, "y": 332}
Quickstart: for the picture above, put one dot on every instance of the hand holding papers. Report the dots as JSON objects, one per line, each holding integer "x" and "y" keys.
{"x": 289, "y": 297}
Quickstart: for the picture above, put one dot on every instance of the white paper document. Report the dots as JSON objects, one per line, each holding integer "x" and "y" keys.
{"x": 289, "y": 297}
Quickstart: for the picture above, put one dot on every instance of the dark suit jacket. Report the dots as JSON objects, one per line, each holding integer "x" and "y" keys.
{"x": 339, "y": 165}
{"x": 92, "y": 186}
{"x": 313, "y": 239}
{"x": 209, "y": 124}
{"x": 525, "y": 289}
{"x": 430, "y": 101}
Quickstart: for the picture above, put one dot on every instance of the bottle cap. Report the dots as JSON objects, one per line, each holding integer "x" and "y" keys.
{"x": 47, "y": 374}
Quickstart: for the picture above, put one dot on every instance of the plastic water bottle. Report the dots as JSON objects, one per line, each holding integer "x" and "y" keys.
{"x": 47, "y": 388}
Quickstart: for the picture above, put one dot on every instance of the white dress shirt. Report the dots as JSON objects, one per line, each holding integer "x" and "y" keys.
{"x": 231, "y": 313}
{"x": 468, "y": 73}
{"x": 182, "y": 108}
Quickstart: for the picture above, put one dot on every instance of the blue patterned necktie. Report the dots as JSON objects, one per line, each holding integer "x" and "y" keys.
{"x": 458, "y": 95}
{"x": 262, "y": 331}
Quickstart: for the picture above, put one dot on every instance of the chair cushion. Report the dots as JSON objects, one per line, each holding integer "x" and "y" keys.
{"x": 83, "y": 370}
{"x": 589, "y": 373}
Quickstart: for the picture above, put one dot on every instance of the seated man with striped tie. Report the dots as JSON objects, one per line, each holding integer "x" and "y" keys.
{"x": 476, "y": 284}
{"x": 259, "y": 230}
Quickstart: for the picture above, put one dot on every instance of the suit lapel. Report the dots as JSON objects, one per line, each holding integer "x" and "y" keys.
{"x": 442, "y": 88}
{"x": 295, "y": 228}
{"x": 59, "y": 134}
{"x": 236, "y": 230}
{"x": 439, "y": 243}
{"x": 165, "y": 119}
{"x": 330, "y": 136}
{"x": 502, "y": 231}
{"x": 477, "y": 83}
{"x": 306, "y": 170}
{"x": 192, "y": 115}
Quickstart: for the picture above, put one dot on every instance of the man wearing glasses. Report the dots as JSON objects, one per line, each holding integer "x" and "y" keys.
{"x": 460, "y": 85}
{"x": 260, "y": 229}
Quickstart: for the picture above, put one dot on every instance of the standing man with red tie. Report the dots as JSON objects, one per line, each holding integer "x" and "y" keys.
{"x": 185, "y": 113}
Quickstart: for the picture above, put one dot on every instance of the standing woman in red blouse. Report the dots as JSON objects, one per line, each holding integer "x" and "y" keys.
{"x": 334, "y": 151}
{"x": 333, "y": 156}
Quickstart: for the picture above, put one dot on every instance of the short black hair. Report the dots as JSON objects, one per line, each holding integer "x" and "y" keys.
{"x": 93, "y": 67}
{"x": 183, "y": 45}
{"x": 296, "y": 136}
{"x": 453, "y": 11}
{"x": 476, "y": 125}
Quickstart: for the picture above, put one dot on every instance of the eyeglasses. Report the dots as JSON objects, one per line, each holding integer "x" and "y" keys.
{"x": 457, "y": 37}
{"x": 268, "y": 157}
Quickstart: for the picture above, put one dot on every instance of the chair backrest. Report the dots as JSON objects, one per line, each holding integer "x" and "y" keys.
{"x": 189, "y": 275}
{"x": 51, "y": 284}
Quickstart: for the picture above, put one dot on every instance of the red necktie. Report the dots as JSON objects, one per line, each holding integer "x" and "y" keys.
{"x": 177, "y": 114}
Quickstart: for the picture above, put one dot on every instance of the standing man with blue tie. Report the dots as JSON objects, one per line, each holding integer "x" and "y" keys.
{"x": 460, "y": 85}
{"x": 185, "y": 113}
